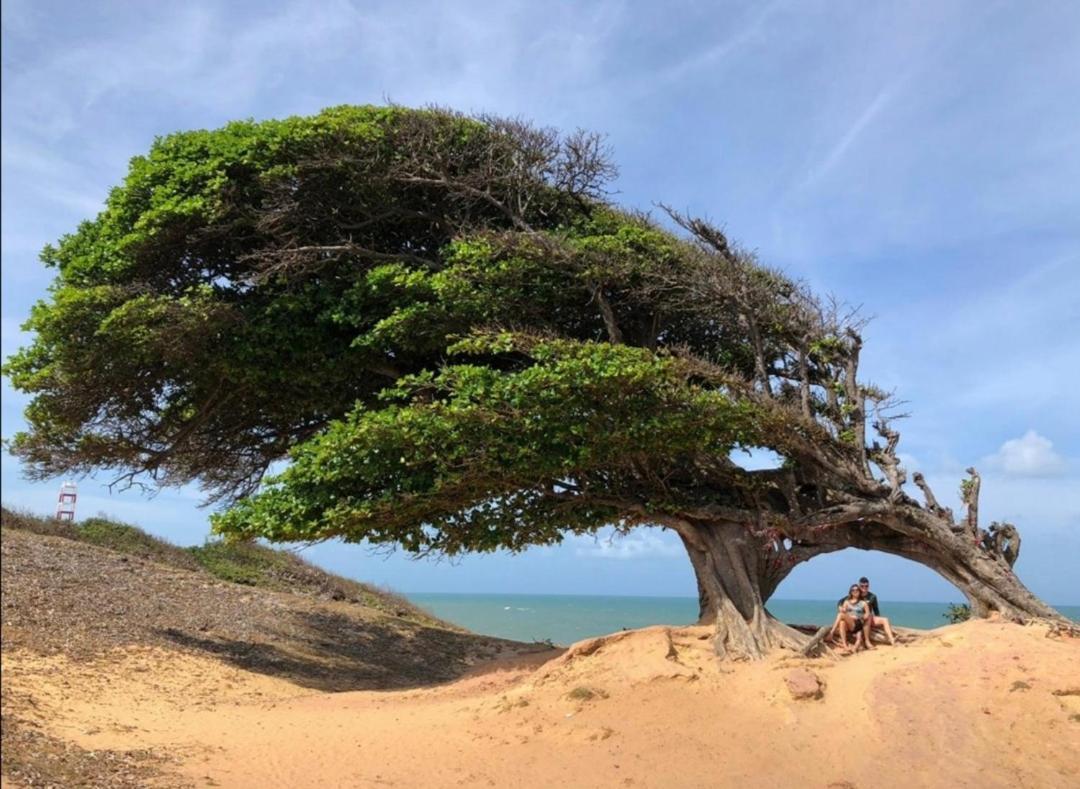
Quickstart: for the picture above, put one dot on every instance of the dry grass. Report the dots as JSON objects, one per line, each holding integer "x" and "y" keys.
{"x": 586, "y": 693}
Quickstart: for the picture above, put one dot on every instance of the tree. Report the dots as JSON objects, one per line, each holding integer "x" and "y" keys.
{"x": 463, "y": 345}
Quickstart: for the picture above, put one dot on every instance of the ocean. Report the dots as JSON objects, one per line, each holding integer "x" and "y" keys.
{"x": 564, "y": 619}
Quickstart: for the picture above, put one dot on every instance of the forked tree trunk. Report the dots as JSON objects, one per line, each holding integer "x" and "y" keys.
{"x": 736, "y": 573}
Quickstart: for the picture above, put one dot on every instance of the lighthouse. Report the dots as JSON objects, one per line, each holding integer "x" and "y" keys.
{"x": 65, "y": 505}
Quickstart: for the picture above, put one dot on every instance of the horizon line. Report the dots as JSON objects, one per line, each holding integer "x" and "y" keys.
{"x": 685, "y": 597}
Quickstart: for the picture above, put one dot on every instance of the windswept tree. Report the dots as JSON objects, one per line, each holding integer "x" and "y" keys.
{"x": 462, "y": 345}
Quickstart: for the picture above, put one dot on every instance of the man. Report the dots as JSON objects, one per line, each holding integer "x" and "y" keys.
{"x": 876, "y": 619}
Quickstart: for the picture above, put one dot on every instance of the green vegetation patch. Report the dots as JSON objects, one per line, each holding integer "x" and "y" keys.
{"x": 105, "y": 533}
{"x": 252, "y": 564}
{"x": 50, "y": 527}
{"x": 242, "y": 563}
{"x": 132, "y": 540}
{"x": 958, "y": 613}
{"x": 247, "y": 563}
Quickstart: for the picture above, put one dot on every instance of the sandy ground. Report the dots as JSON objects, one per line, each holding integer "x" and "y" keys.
{"x": 981, "y": 704}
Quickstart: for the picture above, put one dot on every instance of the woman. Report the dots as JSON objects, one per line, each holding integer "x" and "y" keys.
{"x": 853, "y": 616}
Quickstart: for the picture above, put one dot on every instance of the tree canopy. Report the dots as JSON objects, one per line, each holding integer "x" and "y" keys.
{"x": 462, "y": 344}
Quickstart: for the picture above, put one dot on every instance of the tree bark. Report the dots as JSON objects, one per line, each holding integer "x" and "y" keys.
{"x": 988, "y": 583}
{"x": 984, "y": 576}
{"x": 737, "y": 570}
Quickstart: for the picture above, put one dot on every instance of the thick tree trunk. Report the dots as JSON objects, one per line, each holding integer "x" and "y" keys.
{"x": 736, "y": 573}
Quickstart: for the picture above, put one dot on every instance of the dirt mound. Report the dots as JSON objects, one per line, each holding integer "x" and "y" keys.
{"x": 69, "y": 601}
{"x": 635, "y": 656}
{"x": 77, "y": 599}
{"x": 248, "y": 564}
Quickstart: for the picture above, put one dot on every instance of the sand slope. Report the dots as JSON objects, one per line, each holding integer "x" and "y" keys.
{"x": 981, "y": 704}
{"x": 99, "y": 618}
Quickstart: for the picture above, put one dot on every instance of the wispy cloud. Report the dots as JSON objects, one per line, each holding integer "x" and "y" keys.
{"x": 740, "y": 36}
{"x": 1001, "y": 350}
{"x": 835, "y": 155}
{"x": 639, "y": 544}
{"x": 192, "y": 53}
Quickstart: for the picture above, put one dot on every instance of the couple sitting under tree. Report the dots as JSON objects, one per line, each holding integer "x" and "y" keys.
{"x": 857, "y": 614}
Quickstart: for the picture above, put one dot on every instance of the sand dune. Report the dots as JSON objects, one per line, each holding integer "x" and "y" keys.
{"x": 981, "y": 704}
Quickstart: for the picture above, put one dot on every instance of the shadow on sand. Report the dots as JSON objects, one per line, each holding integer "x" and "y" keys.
{"x": 331, "y": 652}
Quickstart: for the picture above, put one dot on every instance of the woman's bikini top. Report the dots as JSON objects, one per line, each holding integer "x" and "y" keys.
{"x": 858, "y": 608}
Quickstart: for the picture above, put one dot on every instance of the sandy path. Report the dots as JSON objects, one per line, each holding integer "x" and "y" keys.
{"x": 973, "y": 705}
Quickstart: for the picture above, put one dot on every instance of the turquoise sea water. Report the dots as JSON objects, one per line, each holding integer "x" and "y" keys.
{"x": 565, "y": 619}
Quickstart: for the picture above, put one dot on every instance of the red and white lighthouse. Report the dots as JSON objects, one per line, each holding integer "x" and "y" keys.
{"x": 65, "y": 505}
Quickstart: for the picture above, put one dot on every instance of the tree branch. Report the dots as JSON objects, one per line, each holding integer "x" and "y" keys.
{"x": 615, "y": 334}
{"x": 855, "y": 398}
{"x": 886, "y": 458}
{"x": 931, "y": 501}
{"x": 969, "y": 491}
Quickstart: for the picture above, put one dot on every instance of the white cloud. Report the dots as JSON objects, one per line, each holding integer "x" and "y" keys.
{"x": 1032, "y": 455}
{"x": 1044, "y": 507}
{"x": 638, "y": 544}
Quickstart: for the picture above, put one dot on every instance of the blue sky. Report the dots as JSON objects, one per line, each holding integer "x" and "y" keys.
{"x": 919, "y": 159}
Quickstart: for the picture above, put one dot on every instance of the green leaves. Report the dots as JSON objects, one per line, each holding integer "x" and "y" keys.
{"x": 411, "y": 305}
{"x": 183, "y": 339}
{"x": 484, "y": 457}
